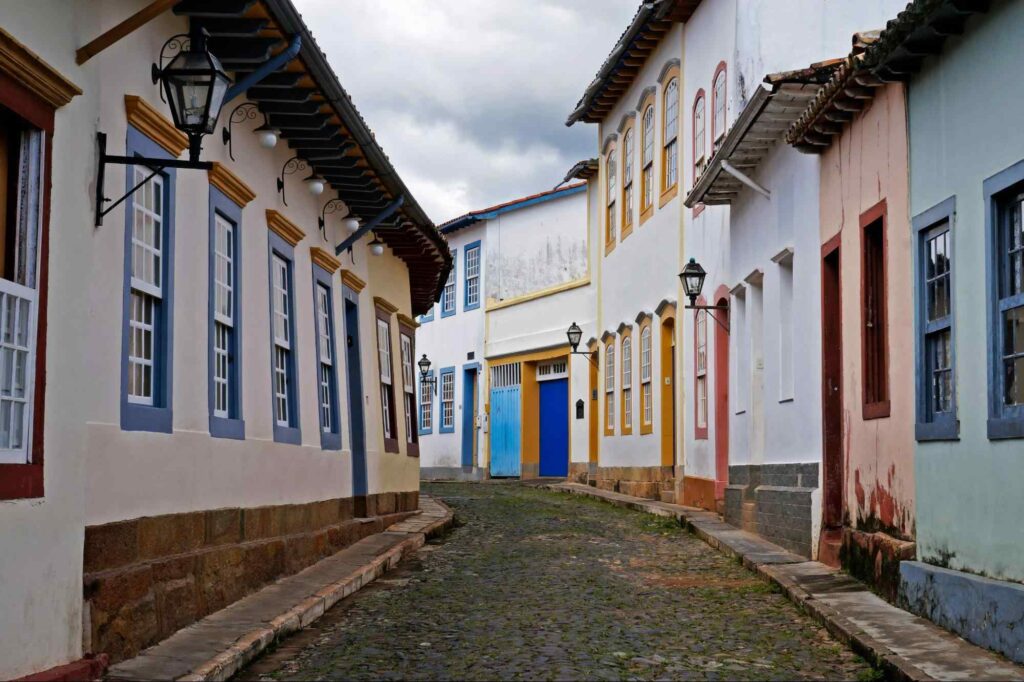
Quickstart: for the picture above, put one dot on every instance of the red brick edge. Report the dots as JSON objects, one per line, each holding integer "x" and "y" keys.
{"x": 85, "y": 669}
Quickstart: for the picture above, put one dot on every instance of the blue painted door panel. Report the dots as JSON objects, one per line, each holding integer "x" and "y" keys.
{"x": 468, "y": 417}
{"x": 355, "y": 399}
{"x": 505, "y": 433}
{"x": 554, "y": 428}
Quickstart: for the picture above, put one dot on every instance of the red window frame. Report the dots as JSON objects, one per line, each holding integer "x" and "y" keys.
{"x": 874, "y": 287}
{"x": 721, "y": 68}
{"x": 699, "y": 98}
{"x": 22, "y": 481}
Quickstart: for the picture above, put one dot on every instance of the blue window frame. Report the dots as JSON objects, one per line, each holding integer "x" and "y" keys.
{"x": 472, "y": 268}
{"x": 283, "y": 348}
{"x": 446, "y": 389}
{"x": 327, "y": 361}
{"x": 224, "y": 348}
{"x": 427, "y": 405}
{"x": 936, "y": 366}
{"x": 448, "y": 294}
{"x": 147, "y": 331}
{"x": 1004, "y": 202}
{"x": 429, "y": 317}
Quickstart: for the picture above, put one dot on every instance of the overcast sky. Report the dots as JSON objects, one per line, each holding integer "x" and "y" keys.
{"x": 469, "y": 97}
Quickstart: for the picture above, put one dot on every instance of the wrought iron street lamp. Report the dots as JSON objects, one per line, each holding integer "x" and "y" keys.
{"x": 424, "y": 365}
{"x": 575, "y": 334}
{"x": 266, "y": 135}
{"x": 692, "y": 277}
{"x": 195, "y": 85}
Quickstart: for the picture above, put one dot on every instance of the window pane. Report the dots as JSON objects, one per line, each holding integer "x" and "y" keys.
{"x": 1013, "y": 356}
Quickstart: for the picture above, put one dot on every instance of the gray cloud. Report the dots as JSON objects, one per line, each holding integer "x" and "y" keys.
{"x": 469, "y": 97}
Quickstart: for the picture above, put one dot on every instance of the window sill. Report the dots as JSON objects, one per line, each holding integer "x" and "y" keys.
{"x": 288, "y": 435}
{"x": 468, "y": 306}
{"x": 330, "y": 441}
{"x": 1005, "y": 428}
{"x": 21, "y": 481}
{"x": 645, "y": 215}
{"x": 426, "y": 433}
{"x": 222, "y": 427}
{"x": 451, "y": 314}
{"x": 646, "y": 430}
{"x": 135, "y": 417}
{"x": 391, "y": 446}
{"x": 668, "y": 195}
{"x": 937, "y": 431}
{"x": 876, "y": 410}
{"x": 701, "y": 435}
{"x": 609, "y": 247}
{"x": 697, "y": 210}
{"x": 412, "y": 449}
{"x": 626, "y": 232}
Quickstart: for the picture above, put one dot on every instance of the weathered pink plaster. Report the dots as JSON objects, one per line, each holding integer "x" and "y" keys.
{"x": 865, "y": 164}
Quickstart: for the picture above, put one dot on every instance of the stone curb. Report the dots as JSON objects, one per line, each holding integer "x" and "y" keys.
{"x": 250, "y": 645}
{"x": 707, "y": 526}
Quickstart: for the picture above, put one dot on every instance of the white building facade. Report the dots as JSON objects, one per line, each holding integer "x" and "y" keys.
{"x": 497, "y": 342}
{"x": 213, "y": 393}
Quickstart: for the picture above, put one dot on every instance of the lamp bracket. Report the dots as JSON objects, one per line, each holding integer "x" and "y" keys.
{"x": 290, "y": 167}
{"x": 431, "y": 381}
{"x": 723, "y": 306}
{"x": 388, "y": 211}
{"x": 331, "y": 206}
{"x": 589, "y": 355}
{"x": 177, "y": 43}
{"x": 156, "y": 165}
{"x": 246, "y": 111}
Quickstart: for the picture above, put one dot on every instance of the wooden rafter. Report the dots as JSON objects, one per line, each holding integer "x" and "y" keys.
{"x": 126, "y": 27}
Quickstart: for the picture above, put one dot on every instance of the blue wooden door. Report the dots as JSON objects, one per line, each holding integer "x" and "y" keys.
{"x": 355, "y": 393}
{"x": 469, "y": 417}
{"x": 554, "y": 428}
{"x": 505, "y": 421}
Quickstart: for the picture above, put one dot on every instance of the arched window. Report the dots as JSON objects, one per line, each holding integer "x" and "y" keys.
{"x": 646, "y": 387}
{"x": 627, "y": 182}
{"x": 609, "y": 388}
{"x": 612, "y": 192}
{"x": 648, "y": 160}
{"x": 670, "y": 158}
{"x": 718, "y": 106}
{"x": 627, "y": 383}
{"x": 700, "y": 160}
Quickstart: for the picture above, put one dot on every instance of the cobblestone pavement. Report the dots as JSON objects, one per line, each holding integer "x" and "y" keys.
{"x": 542, "y": 585}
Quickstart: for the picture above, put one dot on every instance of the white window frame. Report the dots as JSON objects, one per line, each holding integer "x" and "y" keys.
{"x": 223, "y": 312}
{"x": 280, "y": 297}
{"x": 609, "y": 385}
{"x": 670, "y": 133}
{"x": 611, "y": 171}
{"x": 426, "y": 404}
{"x": 700, "y": 160}
{"x": 645, "y": 376}
{"x": 448, "y": 296}
{"x": 146, "y": 285}
{"x": 473, "y": 276}
{"x": 326, "y": 364}
{"x": 701, "y": 349}
{"x": 627, "y": 382}
{"x": 448, "y": 400}
{"x": 386, "y": 379}
{"x": 647, "y": 127}
{"x": 408, "y": 386}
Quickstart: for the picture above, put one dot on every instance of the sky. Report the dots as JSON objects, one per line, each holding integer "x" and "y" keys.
{"x": 469, "y": 98}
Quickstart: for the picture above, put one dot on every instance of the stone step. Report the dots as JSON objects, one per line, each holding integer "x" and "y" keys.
{"x": 828, "y": 547}
{"x": 668, "y": 496}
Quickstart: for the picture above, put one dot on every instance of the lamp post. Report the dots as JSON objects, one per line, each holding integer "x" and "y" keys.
{"x": 692, "y": 277}
{"x": 424, "y": 364}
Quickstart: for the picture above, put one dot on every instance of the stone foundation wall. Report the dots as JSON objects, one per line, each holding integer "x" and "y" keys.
{"x": 875, "y": 558}
{"x": 579, "y": 472}
{"x": 699, "y": 492}
{"x": 774, "y": 501}
{"x": 146, "y": 578}
{"x": 646, "y": 482}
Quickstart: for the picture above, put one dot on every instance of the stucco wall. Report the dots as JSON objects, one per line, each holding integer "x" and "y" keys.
{"x": 95, "y": 472}
{"x": 968, "y": 491}
{"x": 643, "y": 268}
{"x": 866, "y": 164}
{"x": 447, "y": 341}
{"x": 537, "y": 247}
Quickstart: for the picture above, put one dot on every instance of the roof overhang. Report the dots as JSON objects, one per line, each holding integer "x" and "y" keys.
{"x": 651, "y": 22}
{"x": 771, "y": 110}
{"x": 468, "y": 219}
{"x": 305, "y": 101}
{"x": 877, "y": 58}
{"x": 585, "y": 170}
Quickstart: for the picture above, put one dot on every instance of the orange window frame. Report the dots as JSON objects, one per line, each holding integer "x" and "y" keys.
{"x": 647, "y": 166}
{"x": 628, "y": 173}
{"x": 609, "y": 204}
{"x": 626, "y": 392}
{"x": 670, "y": 190}
{"x": 646, "y": 403}
{"x": 609, "y": 386}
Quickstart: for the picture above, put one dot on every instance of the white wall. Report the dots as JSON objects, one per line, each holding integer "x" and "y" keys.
{"x": 447, "y": 341}
{"x": 95, "y": 472}
{"x": 537, "y": 247}
{"x": 787, "y": 408}
{"x": 642, "y": 270}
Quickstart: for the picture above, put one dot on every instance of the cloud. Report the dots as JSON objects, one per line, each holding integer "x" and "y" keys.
{"x": 469, "y": 97}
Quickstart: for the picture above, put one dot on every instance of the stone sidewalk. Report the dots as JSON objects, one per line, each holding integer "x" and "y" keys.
{"x": 903, "y": 645}
{"x": 218, "y": 646}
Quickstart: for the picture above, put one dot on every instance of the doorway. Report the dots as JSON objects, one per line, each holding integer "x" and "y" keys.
{"x": 355, "y": 394}
{"x": 832, "y": 385}
{"x": 668, "y": 392}
{"x": 721, "y": 395}
{"x": 506, "y": 420}
{"x": 553, "y": 389}
{"x": 469, "y": 410}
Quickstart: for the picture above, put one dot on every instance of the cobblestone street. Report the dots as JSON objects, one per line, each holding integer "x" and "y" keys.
{"x": 541, "y": 585}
